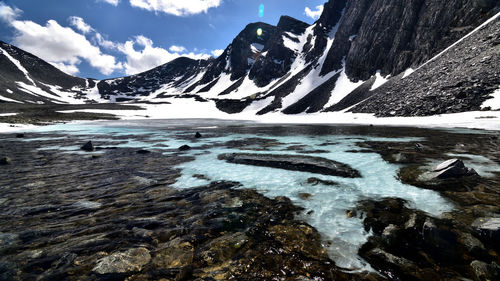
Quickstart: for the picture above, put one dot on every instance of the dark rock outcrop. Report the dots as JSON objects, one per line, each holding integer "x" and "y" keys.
{"x": 453, "y": 168}
{"x": 5, "y": 160}
{"x": 184, "y": 147}
{"x": 88, "y": 146}
{"x": 301, "y": 163}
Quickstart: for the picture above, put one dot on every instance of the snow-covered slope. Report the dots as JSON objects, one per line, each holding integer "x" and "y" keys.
{"x": 296, "y": 68}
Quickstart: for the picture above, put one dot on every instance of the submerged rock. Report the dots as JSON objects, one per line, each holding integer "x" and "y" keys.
{"x": 5, "y": 160}
{"x": 316, "y": 181}
{"x": 301, "y": 163}
{"x": 128, "y": 261}
{"x": 88, "y": 146}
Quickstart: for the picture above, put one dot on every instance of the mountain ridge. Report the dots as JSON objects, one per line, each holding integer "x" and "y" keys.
{"x": 343, "y": 59}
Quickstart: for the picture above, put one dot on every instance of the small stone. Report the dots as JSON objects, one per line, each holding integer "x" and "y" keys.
{"x": 197, "y": 135}
{"x": 184, "y": 147}
{"x": 88, "y": 146}
{"x": 143, "y": 151}
{"x": 351, "y": 213}
{"x": 20, "y": 136}
{"x": 5, "y": 160}
{"x": 305, "y": 196}
{"x": 131, "y": 260}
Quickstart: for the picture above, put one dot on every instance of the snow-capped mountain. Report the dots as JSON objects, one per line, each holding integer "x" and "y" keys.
{"x": 391, "y": 58}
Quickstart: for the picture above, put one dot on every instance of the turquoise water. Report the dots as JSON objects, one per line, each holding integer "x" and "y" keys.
{"x": 342, "y": 235}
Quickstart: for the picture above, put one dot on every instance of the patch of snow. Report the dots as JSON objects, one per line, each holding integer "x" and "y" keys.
{"x": 463, "y": 38}
{"x": 493, "y": 102}
{"x": 9, "y": 91}
{"x": 250, "y": 61}
{"x": 379, "y": 81}
{"x": 256, "y": 47}
{"x": 8, "y": 128}
{"x": 246, "y": 89}
{"x": 33, "y": 90}
{"x": 352, "y": 37}
{"x": 343, "y": 87}
{"x": 290, "y": 44}
{"x": 408, "y": 72}
{"x": 7, "y": 114}
{"x": 9, "y": 100}
{"x": 18, "y": 65}
{"x": 93, "y": 94}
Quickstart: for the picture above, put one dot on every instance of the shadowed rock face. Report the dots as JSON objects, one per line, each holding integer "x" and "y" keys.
{"x": 392, "y": 35}
{"x": 294, "y": 163}
{"x": 459, "y": 80}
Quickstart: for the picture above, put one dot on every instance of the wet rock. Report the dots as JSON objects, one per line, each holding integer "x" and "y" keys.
{"x": 488, "y": 228}
{"x": 20, "y": 136}
{"x": 294, "y": 163}
{"x": 184, "y": 147}
{"x": 143, "y": 151}
{"x": 453, "y": 168}
{"x": 197, "y": 135}
{"x": 173, "y": 254}
{"x": 5, "y": 160}
{"x": 483, "y": 271}
{"x": 305, "y": 196}
{"x": 223, "y": 248}
{"x": 131, "y": 260}
{"x": 88, "y": 146}
{"x": 316, "y": 181}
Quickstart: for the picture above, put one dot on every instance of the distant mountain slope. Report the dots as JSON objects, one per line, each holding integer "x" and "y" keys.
{"x": 356, "y": 53}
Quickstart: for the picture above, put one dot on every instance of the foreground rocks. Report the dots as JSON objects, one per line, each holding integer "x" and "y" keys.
{"x": 301, "y": 163}
{"x": 453, "y": 168}
{"x": 411, "y": 245}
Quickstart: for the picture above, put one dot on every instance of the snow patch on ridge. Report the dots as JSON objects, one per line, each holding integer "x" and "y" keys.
{"x": 18, "y": 65}
{"x": 494, "y": 101}
{"x": 379, "y": 80}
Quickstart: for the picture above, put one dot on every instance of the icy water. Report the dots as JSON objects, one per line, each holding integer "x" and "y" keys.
{"x": 325, "y": 205}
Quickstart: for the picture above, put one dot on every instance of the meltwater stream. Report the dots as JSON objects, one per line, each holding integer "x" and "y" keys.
{"x": 325, "y": 208}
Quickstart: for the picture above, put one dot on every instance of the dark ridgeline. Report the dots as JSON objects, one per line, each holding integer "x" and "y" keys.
{"x": 371, "y": 36}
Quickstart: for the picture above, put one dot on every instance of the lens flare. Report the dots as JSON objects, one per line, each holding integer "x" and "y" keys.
{"x": 259, "y": 32}
{"x": 261, "y": 10}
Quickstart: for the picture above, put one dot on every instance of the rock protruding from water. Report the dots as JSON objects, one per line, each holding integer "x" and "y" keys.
{"x": 131, "y": 260}
{"x": 5, "y": 160}
{"x": 488, "y": 228}
{"x": 197, "y": 135}
{"x": 184, "y": 147}
{"x": 20, "y": 135}
{"x": 301, "y": 163}
{"x": 88, "y": 146}
{"x": 143, "y": 151}
{"x": 453, "y": 168}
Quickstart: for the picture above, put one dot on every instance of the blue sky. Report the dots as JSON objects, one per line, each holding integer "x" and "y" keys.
{"x": 112, "y": 38}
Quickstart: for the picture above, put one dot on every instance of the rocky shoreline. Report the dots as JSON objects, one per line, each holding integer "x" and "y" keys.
{"x": 111, "y": 214}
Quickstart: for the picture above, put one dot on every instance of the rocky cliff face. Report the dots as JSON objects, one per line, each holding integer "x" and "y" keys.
{"x": 392, "y": 36}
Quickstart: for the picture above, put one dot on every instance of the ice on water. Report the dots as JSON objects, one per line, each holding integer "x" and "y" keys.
{"x": 342, "y": 235}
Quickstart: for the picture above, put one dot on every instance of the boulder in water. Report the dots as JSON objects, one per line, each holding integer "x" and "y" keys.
{"x": 184, "y": 147}
{"x": 5, "y": 160}
{"x": 453, "y": 168}
{"x": 197, "y": 135}
{"x": 88, "y": 146}
{"x": 121, "y": 262}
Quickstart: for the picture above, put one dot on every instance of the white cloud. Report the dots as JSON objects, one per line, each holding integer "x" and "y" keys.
{"x": 314, "y": 14}
{"x": 177, "y": 49}
{"x": 176, "y": 7}
{"x": 57, "y": 44}
{"x": 68, "y": 68}
{"x": 80, "y": 24}
{"x": 112, "y": 2}
{"x": 150, "y": 56}
{"x": 217, "y": 52}
{"x": 9, "y": 14}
